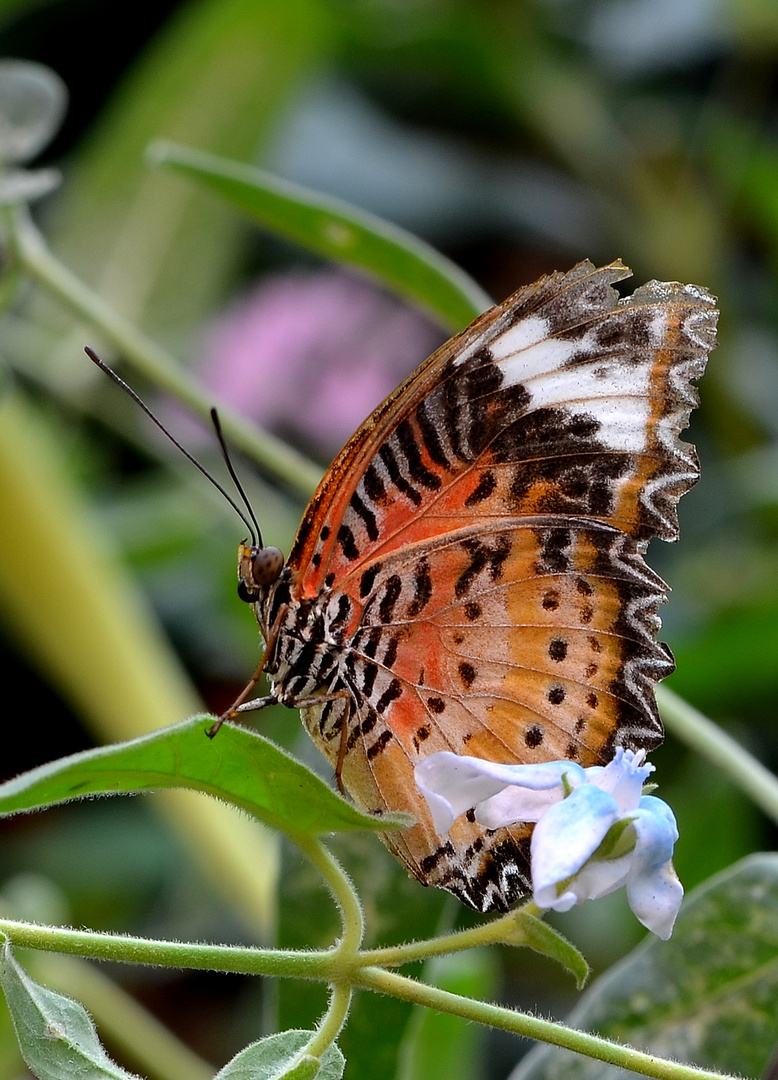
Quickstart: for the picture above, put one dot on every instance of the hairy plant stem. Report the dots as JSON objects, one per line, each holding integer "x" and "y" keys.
{"x": 332, "y": 1021}
{"x": 177, "y": 954}
{"x": 532, "y": 1027}
{"x": 498, "y": 930}
{"x": 344, "y": 973}
{"x": 343, "y": 891}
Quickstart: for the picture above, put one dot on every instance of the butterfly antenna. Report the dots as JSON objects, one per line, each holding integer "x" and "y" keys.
{"x": 217, "y": 427}
{"x": 251, "y": 525}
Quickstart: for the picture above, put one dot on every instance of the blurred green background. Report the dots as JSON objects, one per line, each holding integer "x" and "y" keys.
{"x": 518, "y": 138}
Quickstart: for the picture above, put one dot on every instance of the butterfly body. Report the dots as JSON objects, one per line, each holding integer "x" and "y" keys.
{"x": 469, "y": 575}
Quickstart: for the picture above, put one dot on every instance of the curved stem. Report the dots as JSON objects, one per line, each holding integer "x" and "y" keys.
{"x": 533, "y": 1027}
{"x": 342, "y": 890}
{"x": 332, "y": 1021}
{"x": 148, "y": 358}
{"x": 490, "y": 933}
{"x": 701, "y": 734}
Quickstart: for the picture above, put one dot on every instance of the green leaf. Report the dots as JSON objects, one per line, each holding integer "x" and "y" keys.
{"x": 56, "y": 1035}
{"x": 336, "y": 230}
{"x": 537, "y": 935}
{"x": 238, "y": 766}
{"x": 282, "y": 1057}
{"x": 707, "y": 996}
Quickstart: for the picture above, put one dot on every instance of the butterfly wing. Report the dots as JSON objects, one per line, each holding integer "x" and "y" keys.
{"x": 481, "y": 538}
{"x": 563, "y": 399}
{"x": 543, "y": 649}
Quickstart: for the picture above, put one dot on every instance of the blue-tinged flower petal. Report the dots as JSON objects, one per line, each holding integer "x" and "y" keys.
{"x": 653, "y": 890}
{"x": 452, "y": 784}
{"x": 516, "y": 803}
{"x": 564, "y": 840}
{"x": 600, "y": 877}
{"x": 623, "y": 777}
{"x": 575, "y": 809}
{"x": 652, "y": 804}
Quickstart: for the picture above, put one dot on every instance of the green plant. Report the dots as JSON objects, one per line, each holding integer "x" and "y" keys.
{"x": 722, "y": 950}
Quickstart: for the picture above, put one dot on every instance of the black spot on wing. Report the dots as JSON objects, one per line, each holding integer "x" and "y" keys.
{"x": 369, "y": 673}
{"x": 483, "y": 489}
{"x": 428, "y": 429}
{"x": 366, "y": 515}
{"x": 554, "y": 551}
{"x": 374, "y": 486}
{"x": 467, "y": 673}
{"x": 392, "y": 692}
{"x": 391, "y": 595}
{"x": 422, "y": 585}
{"x": 534, "y": 736}
{"x": 387, "y": 456}
{"x": 478, "y": 560}
{"x": 348, "y": 543}
{"x": 557, "y": 649}
{"x": 371, "y": 642}
{"x": 380, "y": 744}
{"x": 390, "y": 655}
{"x": 417, "y": 470}
{"x": 429, "y": 862}
{"x": 367, "y": 581}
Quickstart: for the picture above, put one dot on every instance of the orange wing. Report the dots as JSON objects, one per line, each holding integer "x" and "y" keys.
{"x": 531, "y": 642}
{"x": 563, "y": 399}
{"x": 481, "y": 539}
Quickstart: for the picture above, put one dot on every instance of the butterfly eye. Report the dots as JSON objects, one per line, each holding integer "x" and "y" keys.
{"x": 258, "y": 567}
{"x": 266, "y": 564}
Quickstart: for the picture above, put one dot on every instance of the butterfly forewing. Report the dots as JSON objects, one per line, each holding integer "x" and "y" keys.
{"x": 469, "y": 575}
{"x": 563, "y": 399}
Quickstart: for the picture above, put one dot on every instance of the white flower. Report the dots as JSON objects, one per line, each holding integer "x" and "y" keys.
{"x": 595, "y": 829}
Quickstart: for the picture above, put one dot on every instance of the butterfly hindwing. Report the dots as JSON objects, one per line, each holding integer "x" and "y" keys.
{"x": 521, "y": 643}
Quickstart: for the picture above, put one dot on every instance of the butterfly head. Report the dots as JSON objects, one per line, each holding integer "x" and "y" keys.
{"x": 258, "y": 568}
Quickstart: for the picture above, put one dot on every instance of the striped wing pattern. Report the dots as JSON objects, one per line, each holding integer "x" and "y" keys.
{"x": 470, "y": 571}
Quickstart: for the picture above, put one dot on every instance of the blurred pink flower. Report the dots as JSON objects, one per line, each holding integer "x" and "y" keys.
{"x": 309, "y": 354}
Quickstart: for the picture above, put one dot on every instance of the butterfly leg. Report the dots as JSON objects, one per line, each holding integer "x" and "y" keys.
{"x": 322, "y": 699}
{"x": 240, "y": 704}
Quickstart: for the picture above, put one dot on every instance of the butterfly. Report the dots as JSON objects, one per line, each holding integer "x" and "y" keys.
{"x": 469, "y": 574}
